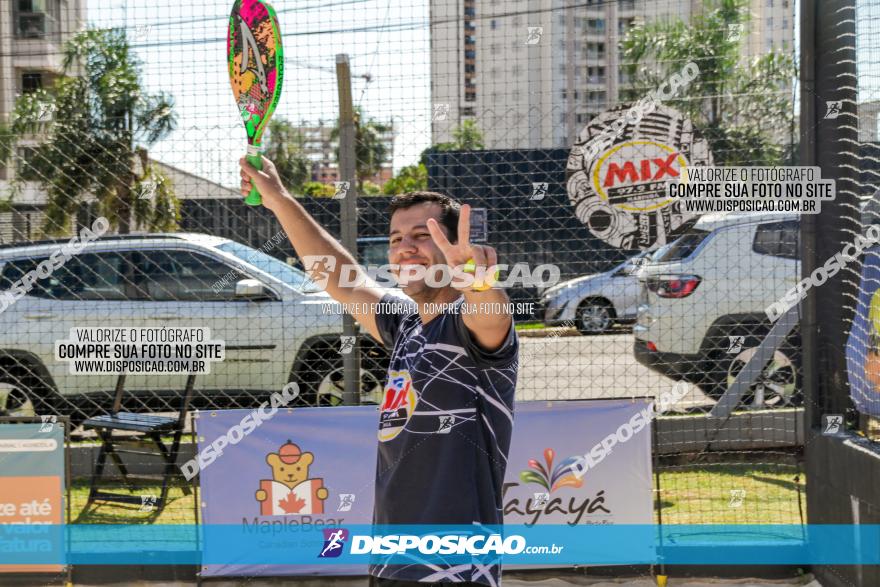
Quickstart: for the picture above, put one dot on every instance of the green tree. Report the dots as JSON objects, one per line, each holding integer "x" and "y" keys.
{"x": 736, "y": 105}
{"x": 370, "y": 150}
{"x": 285, "y": 148}
{"x": 411, "y": 178}
{"x": 97, "y": 122}
{"x": 155, "y": 201}
{"x": 368, "y": 188}
{"x": 316, "y": 189}
{"x": 466, "y": 137}
{"x": 7, "y": 142}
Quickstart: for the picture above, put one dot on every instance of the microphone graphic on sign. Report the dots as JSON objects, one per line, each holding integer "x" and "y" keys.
{"x": 255, "y": 60}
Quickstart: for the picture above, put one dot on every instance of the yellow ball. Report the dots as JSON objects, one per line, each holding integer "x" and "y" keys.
{"x": 471, "y": 267}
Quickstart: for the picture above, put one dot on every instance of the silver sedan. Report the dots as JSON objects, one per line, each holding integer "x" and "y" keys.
{"x": 594, "y": 303}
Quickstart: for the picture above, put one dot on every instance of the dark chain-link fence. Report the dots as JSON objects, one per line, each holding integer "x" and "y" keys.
{"x": 563, "y": 124}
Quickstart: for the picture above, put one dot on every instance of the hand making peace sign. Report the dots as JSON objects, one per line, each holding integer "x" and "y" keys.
{"x": 460, "y": 253}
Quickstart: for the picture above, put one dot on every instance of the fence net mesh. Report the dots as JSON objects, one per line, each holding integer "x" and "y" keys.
{"x": 856, "y": 405}
{"x": 560, "y": 123}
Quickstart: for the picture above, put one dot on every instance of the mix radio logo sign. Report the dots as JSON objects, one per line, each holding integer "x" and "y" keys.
{"x": 620, "y": 194}
{"x": 397, "y": 406}
{"x": 633, "y": 175}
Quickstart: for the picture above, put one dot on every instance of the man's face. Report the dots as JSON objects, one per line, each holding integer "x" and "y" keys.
{"x": 411, "y": 243}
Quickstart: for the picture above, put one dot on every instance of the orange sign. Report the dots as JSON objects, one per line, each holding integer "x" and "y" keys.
{"x": 34, "y": 501}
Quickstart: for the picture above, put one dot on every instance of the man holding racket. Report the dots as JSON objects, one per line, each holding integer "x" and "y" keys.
{"x": 447, "y": 416}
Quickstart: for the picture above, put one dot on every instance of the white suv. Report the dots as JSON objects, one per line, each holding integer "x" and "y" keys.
{"x": 277, "y": 329}
{"x": 702, "y": 312}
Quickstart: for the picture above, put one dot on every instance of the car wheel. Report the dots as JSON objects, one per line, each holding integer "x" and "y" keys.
{"x": 330, "y": 389}
{"x": 14, "y": 401}
{"x": 775, "y": 387}
{"x": 593, "y": 317}
{"x": 324, "y": 384}
{"x": 778, "y": 384}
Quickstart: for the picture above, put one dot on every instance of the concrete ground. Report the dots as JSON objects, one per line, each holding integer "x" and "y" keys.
{"x": 592, "y": 367}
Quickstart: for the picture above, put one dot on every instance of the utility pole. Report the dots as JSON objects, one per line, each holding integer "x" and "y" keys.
{"x": 348, "y": 220}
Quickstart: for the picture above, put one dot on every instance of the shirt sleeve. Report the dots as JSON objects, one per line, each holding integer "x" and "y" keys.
{"x": 504, "y": 355}
{"x": 390, "y": 314}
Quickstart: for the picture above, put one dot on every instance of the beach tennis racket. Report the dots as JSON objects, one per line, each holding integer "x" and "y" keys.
{"x": 256, "y": 70}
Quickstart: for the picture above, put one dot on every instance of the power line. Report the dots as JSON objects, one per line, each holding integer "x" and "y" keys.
{"x": 278, "y": 11}
{"x": 412, "y": 25}
{"x": 368, "y": 76}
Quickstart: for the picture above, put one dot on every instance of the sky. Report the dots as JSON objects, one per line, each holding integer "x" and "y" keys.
{"x": 868, "y": 49}
{"x": 183, "y": 49}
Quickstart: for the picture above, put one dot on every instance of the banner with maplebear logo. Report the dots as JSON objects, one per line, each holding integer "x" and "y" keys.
{"x": 313, "y": 468}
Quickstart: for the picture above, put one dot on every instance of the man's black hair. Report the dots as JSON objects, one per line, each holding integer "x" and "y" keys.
{"x": 450, "y": 209}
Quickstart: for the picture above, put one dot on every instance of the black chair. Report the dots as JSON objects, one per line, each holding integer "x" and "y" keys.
{"x": 145, "y": 430}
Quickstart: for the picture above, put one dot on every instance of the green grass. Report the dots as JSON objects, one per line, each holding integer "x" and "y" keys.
{"x": 180, "y": 508}
{"x": 690, "y": 495}
{"x": 529, "y": 325}
{"x": 702, "y": 494}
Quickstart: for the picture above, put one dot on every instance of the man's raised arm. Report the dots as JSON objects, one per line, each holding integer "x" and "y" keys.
{"x": 310, "y": 239}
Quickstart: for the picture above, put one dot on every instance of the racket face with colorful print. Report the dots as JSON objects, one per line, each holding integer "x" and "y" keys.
{"x": 256, "y": 71}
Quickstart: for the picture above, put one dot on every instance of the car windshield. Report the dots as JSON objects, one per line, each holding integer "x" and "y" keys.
{"x": 374, "y": 252}
{"x": 659, "y": 252}
{"x": 683, "y": 246}
{"x": 630, "y": 265}
{"x": 277, "y": 269}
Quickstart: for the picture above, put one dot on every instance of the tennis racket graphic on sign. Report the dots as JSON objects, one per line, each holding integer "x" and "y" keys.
{"x": 256, "y": 70}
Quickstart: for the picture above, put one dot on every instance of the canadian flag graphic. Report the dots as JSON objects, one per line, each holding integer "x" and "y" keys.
{"x": 282, "y": 500}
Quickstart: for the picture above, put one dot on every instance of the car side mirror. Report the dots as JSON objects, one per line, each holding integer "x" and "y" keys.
{"x": 253, "y": 289}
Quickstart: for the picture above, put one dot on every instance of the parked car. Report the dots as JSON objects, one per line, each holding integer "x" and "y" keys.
{"x": 594, "y": 303}
{"x": 702, "y": 308}
{"x": 372, "y": 250}
{"x": 276, "y": 324}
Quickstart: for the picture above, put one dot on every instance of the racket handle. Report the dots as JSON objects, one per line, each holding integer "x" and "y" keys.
{"x": 254, "y": 158}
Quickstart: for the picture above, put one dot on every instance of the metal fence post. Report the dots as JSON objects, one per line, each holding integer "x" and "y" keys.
{"x": 808, "y": 221}
{"x": 828, "y": 73}
{"x": 836, "y": 153}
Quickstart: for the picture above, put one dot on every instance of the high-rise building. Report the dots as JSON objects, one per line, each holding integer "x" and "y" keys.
{"x": 869, "y": 112}
{"x": 534, "y": 72}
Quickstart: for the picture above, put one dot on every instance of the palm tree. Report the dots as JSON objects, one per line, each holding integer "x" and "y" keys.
{"x": 411, "y": 178}
{"x": 370, "y": 150}
{"x": 737, "y": 105}
{"x": 466, "y": 137}
{"x": 96, "y": 139}
{"x": 284, "y": 146}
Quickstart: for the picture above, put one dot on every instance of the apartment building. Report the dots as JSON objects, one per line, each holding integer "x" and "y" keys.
{"x": 869, "y": 112}
{"x": 32, "y": 33}
{"x": 534, "y": 72}
{"x": 320, "y": 148}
